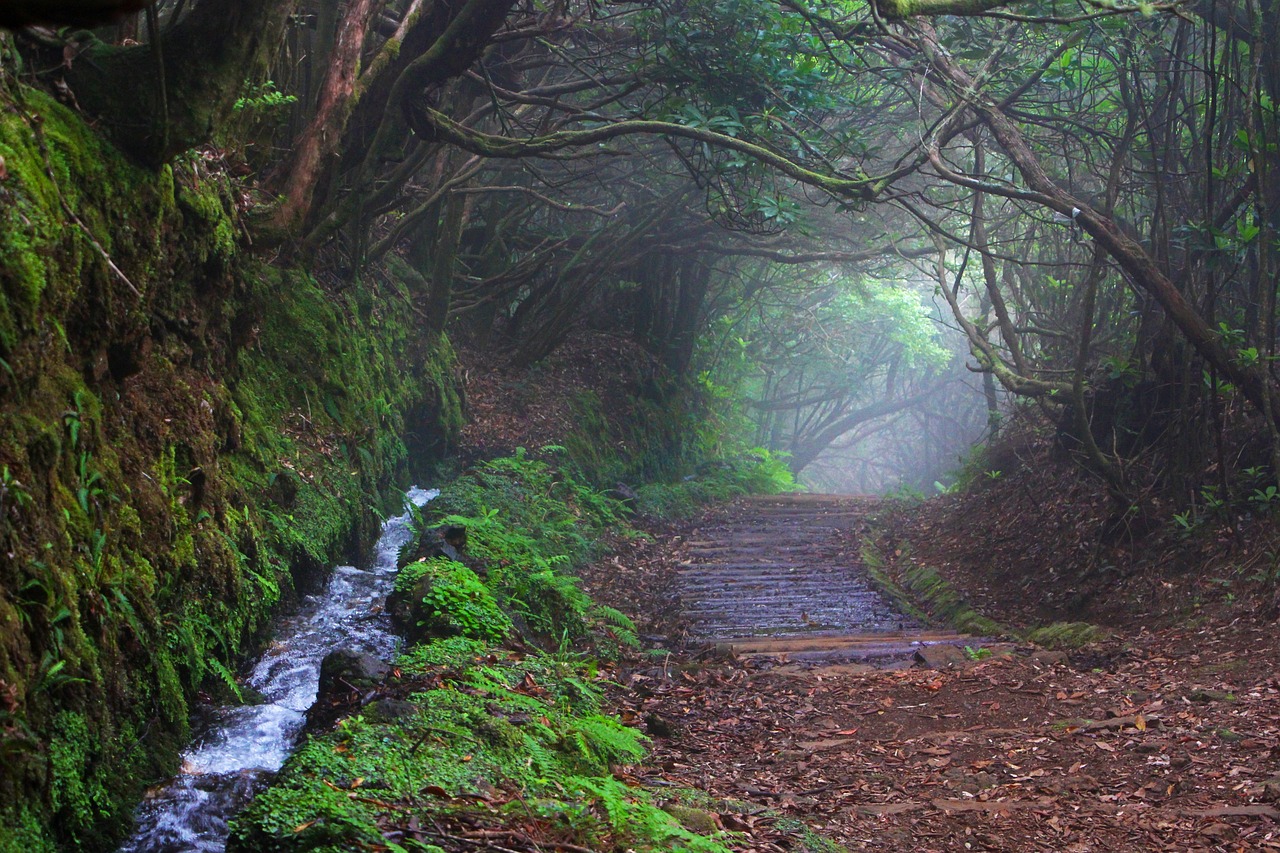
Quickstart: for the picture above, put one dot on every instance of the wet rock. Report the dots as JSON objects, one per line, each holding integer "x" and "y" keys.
{"x": 448, "y": 542}
{"x": 347, "y": 680}
{"x": 347, "y": 671}
{"x": 940, "y": 657}
{"x": 390, "y": 710}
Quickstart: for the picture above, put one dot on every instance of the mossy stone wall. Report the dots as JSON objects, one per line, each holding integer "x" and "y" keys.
{"x": 186, "y": 434}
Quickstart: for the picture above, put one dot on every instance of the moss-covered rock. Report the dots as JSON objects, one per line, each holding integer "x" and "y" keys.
{"x": 1065, "y": 635}
{"x": 186, "y": 434}
{"x": 442, "y": 598}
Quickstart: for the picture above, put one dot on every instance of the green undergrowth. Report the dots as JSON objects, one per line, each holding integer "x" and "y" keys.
{"x": 924, "y": 594}
{"x": 452, "y": 600}
{"x": 529, "y": 525}
{"x": 484, "y": 737}
{"x": 751, "y": 471}
{"x": 186, "y": 435}
{"x": 487, "y": 735}
{"x": 681, "y": 448}
{"x": 495, "y": 720}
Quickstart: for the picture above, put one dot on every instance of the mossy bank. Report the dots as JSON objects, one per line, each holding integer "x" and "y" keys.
{"x": 491, "y": 730}
{"x": 186, "y": 434}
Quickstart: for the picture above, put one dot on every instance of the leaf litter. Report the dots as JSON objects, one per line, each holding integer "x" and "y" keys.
{"x": 1157, "y": 739}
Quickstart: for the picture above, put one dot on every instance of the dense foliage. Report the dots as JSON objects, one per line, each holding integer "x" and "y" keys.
{"x": 878, "y": 230}
{"x": 501, "y": 718}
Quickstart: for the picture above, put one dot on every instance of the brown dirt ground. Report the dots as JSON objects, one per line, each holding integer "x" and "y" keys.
{"x": 1164, "y": 737}
{"x": 510, "y": 407}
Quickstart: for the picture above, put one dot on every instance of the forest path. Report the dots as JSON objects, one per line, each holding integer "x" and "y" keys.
{"x": 1153, "y": 740}
{"x": 778, "y": 577}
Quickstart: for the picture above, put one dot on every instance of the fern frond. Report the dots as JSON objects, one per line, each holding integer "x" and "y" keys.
{"x": 219, "y": 669}
{"x": 607, "y": 740}
{"x": 614, "y": 617}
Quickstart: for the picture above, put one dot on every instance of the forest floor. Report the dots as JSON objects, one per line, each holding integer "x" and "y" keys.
{"x": 1161, "y": 737}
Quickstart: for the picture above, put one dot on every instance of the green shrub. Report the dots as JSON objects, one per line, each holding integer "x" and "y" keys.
{"x": 530, "y": 525}
{"x": 448, "y": 599}
{"x": 752, "y": 471}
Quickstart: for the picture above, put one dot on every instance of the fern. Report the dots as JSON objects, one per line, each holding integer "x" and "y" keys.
{"x": 607, "y": 740}
{"x": 220, "y": 669}
{"x": 542, "y": 759}
{"x": 633, "y": 817}
{"x": 611, "y": 794}
{"x": 619, "y": 623}
{"x": 489, "y": 681}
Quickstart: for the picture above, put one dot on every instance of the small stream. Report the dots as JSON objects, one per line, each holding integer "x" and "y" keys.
{"x": 244, "y": 745}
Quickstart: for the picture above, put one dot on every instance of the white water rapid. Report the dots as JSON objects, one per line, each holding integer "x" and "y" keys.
{"x": 245, "y": 744}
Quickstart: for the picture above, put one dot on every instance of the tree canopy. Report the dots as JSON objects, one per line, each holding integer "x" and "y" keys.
{"x": 1085, "y": 192}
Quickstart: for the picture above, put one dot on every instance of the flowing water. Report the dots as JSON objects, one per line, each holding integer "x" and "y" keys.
{"x": 244, "y": 745}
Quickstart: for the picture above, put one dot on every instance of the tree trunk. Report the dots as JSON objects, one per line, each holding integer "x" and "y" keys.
{"x": 1127, "y": 252}
{"x": 296, "y": 179}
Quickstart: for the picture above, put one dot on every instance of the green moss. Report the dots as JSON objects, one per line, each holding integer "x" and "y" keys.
{"x": 447, "y": 599}
{"x": 25, "y": 835}
{"x": 76, "y": 797}
{"x": 1065, "y": 635}
{"x": 530, "y": 524}
{"x": 149, "y": 424}
{"x": 923, "y": 594}
{"x": 495, "y": 720}
{"x": 943, "y": 602}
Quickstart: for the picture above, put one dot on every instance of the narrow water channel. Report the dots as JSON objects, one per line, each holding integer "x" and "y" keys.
{"x": 244, "y": 745}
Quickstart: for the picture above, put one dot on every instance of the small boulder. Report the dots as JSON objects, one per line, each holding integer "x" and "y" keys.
{"x": 694, "y": 820}
{"x": 447, "y": 542}
{"x": 345, "y": 673}
{"x": 623, "y": 494}
{"x": 347, "y": 680}
{"x": 443, "y": 598}
{"x": 390, "y": 711}
{"x": 940, "y": 656}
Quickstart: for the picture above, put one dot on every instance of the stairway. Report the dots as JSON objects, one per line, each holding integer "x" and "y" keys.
{"x": 776, "y": 578}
